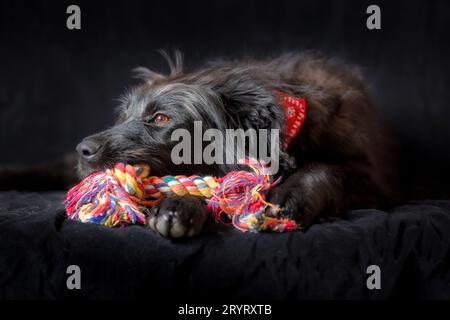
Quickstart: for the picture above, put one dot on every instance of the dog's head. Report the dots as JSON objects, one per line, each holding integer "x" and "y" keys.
{"x": 221, "y": 98}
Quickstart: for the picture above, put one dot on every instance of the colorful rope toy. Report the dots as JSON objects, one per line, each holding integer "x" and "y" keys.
{"x": 118, "y": 196}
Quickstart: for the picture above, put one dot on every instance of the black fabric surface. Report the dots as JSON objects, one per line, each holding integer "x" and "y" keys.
{"x": 410, "y": 244}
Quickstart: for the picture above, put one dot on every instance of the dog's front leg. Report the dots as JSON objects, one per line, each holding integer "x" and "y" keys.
{"x": 312, "y": 190}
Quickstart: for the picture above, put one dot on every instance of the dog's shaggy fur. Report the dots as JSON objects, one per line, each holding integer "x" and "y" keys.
{"x": 340, "y": 160}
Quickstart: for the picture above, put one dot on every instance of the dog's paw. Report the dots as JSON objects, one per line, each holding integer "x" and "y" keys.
{"x": 177, "y": 217}
{"x": 293, "y": 204}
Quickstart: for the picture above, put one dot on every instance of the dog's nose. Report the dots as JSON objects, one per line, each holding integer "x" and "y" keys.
{"x": 88, "y": 149}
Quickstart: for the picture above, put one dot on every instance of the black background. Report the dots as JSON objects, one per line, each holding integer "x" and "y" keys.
{"x": 58, "y": 85}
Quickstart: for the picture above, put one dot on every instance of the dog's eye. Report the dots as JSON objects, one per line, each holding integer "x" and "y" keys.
{"x": 160, "y": 119}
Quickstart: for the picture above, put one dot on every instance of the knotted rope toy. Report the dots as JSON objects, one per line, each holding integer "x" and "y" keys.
{"x": 119, "y": 196}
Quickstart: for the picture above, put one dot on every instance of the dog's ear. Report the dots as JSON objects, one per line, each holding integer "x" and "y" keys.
{"x": 249, "y": 105}
{"x": 175, "y": 64}
{"x": 147, "y": 75}
{"x": 150, "y": 76}
{"x": 251, "y": 111}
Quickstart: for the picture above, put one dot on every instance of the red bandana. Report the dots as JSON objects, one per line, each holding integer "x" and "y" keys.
{"x": 295, "y": 115}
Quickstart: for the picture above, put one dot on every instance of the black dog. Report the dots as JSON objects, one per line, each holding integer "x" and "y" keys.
{"x": 340, "y": 159}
